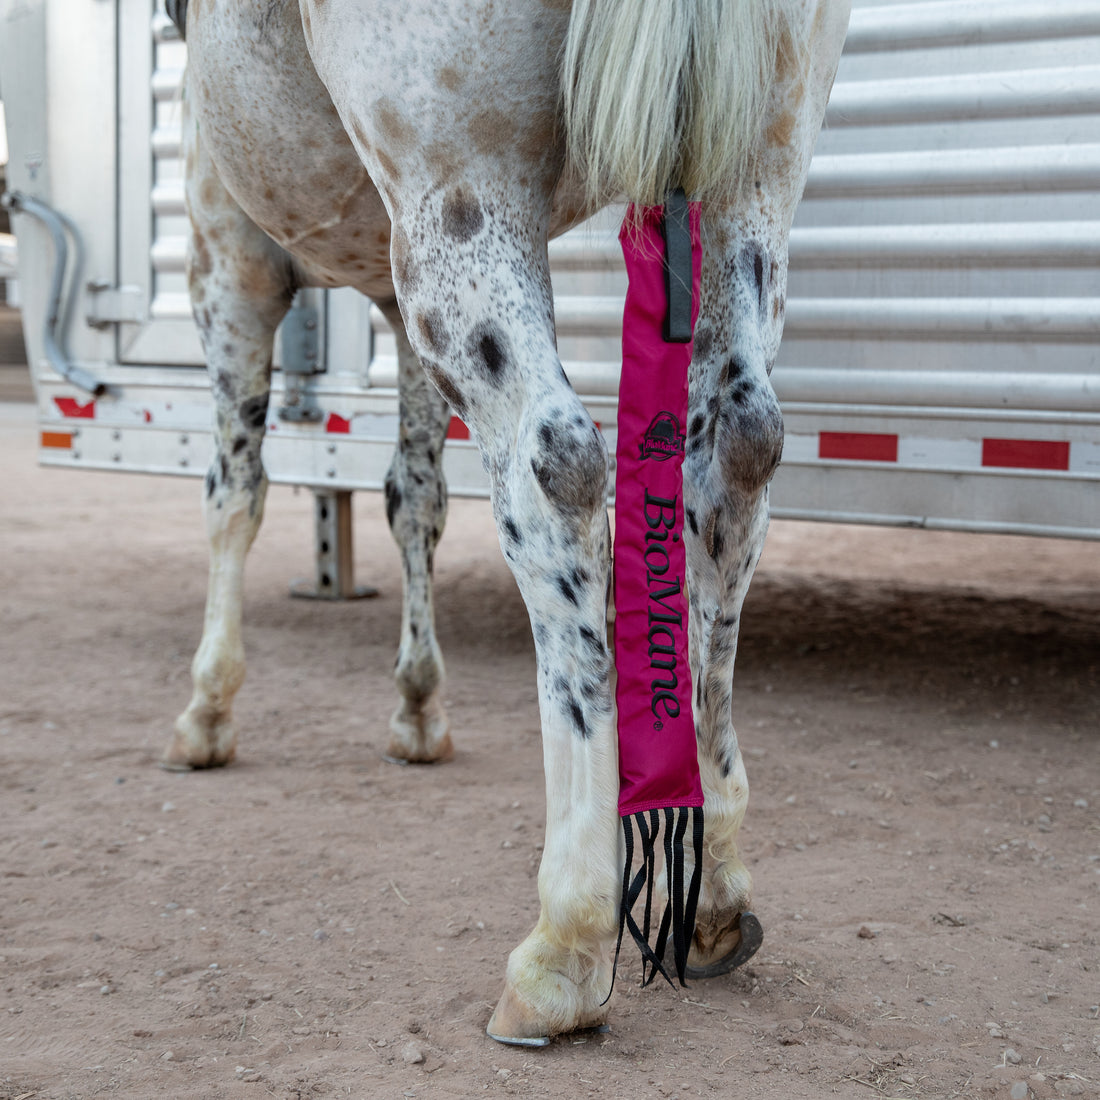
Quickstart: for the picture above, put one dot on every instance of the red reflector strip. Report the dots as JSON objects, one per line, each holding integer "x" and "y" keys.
{"x": 338, "y": 424}
{"x": 70, "y": 407}
{"x": 63, "y": 441}
{"x": 858, "y": 446}
{"x": 1026, "y": 454}
{"x": 457, "y": 430}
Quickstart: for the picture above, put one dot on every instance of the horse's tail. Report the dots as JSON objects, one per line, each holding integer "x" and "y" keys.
{"x": 666, "y": 93}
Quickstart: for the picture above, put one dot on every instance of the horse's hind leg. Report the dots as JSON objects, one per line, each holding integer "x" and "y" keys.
{"x": 735, "y": 440}
{"x": 416, "y": 507}
{"x": 241, "y": 287}
{"x": 479, "y": 310}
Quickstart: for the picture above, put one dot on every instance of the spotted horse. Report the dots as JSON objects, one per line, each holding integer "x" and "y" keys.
{"x": 423, "y": 152}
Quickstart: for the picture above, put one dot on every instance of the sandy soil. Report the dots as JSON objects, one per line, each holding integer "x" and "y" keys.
{"x": 919, "y": 716}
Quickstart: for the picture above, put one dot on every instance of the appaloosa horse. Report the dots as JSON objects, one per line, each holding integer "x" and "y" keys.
{"x": 423, "y": 151}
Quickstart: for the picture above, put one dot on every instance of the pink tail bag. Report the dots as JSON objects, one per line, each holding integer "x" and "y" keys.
{"x": 659, "y": 785}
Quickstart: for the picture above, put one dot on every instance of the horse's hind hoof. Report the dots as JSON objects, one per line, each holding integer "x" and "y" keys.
{"x": 549, "y": 991}
{"x": 170, "y": 765}
{"x": 420, "y": 736}
{"x": 752, "y": 936}
{"x": 173, "y": 762}
{"x": 400, "y": 752}
{"x": 515, "y": 1023}
{"x": 199, "y": 741}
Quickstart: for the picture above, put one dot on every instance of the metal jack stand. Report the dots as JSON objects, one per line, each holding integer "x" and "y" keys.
{"x": 300, "y": 333}
{"x": 333, "y": 545}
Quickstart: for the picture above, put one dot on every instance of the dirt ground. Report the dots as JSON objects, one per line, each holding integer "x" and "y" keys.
{"x": 919, "y": 716}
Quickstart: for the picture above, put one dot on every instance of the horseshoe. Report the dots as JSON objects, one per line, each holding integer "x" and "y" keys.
{"x": 752, "y": 936}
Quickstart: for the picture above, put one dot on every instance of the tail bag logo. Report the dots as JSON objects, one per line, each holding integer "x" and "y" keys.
{"x": 663, "y": 438}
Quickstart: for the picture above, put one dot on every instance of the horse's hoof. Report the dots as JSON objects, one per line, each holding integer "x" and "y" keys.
{"x": 541, "y": 999}
{"x": 749, "y": 941}
{"x": 176, "y": 760}
{"x": 173, "y": 764}
{"x": 515, "y": 1023}
{"x": 423, "y": 738}
{"x": 196, "y": 744}
{"x": 399, "y": 752}
{"x": 169, "y": 764}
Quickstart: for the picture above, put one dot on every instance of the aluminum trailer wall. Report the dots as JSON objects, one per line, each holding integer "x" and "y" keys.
{"x": 941, "y": 364}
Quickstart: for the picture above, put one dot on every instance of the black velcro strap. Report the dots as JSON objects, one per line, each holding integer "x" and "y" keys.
{"x": 678, "y": 273}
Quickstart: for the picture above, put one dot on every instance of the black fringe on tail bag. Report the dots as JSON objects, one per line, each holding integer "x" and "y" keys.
{"x": 678, "y": 918}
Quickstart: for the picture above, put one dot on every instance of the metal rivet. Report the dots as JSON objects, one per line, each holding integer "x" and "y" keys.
{"x": 116, "y": 436}
{"x": 183, "y": 461}
{"x": 185, "y": 439}
{"x": 331, "y": 473}
{"x": 331, "y": 448}
{"x": 116, "y": 457}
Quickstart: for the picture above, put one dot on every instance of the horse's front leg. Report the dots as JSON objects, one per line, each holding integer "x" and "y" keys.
{"x": 241, "y": 287}
{"x": 477, "y": 302}
{"x": 416, "y": 507}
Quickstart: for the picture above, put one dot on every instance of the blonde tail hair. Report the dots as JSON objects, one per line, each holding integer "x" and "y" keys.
{"x": 667, "y": 93}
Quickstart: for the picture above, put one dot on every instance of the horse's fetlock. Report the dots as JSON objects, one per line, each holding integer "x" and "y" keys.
{"x": 576, "y": 919}
{"x": 419, "y": 673}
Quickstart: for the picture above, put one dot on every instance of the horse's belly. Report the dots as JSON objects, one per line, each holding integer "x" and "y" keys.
{"x": 279, "y": 146}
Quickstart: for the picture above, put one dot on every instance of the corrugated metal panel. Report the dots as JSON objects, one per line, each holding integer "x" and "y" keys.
{"x": 152, "y": 218}
{"x": 944, "y": 288}
{"x": 966, "y": 23}
{"x": 950, "y": 219}
{"x": 169, "y": 233}
{"x": 965, "y": 96}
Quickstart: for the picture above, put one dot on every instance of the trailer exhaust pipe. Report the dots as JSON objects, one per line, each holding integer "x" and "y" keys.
{"x": 51, "y": 336}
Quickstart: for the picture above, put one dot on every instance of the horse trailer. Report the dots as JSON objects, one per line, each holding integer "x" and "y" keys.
{"x": 941, "y": 362}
